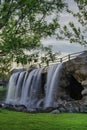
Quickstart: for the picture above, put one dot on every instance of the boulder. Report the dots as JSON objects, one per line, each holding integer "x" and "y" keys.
{"x": 84, "y": 92}
{"x": 56, "y": 111}
{"x": 84, "y": 83}
{"x": 77, "y": 67}
{"x": 72, "y": 106}
{"x": 83, "y": 108}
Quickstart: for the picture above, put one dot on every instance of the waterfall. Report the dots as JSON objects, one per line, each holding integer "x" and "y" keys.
{"x": 19, "y": 87}
{"x": 35, "y": 94}
{"x": 12, "y": 88}
{"x": 52, "y": 85}
{"x": 25, "y": 88}
{"x": 31, "y": 93}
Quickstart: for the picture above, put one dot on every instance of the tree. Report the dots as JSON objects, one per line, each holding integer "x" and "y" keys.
{"x": 22, "y": 25}
{"x": 78, "y": 33}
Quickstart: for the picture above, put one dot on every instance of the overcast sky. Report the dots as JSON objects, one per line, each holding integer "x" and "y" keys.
{"x": 64, "y": 46}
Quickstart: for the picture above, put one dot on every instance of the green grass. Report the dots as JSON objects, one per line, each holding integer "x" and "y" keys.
{"x": 3, "y": 91}
{"x": 11, "y": 120}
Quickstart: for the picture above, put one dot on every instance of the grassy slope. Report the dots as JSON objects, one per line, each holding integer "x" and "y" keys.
{"x": 23, "y": 121}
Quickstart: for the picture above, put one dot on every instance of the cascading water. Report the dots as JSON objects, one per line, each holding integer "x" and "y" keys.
{"x": 12, "y": 88}
{"x": 52, "y": 85}
{"x": 19, "y": 87}
{"x": 31, "y": 92}
{"x": 35, "y": 94}
{"x": 25, "y": 88}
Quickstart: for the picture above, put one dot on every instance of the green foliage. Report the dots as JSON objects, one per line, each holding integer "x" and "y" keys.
{"x": 22, "y": 25}
{"x": 73, "y": 32}
{"x": 3, "y": 92}
{"x": 10, "y": 120}
{"x": 48, "y": 56}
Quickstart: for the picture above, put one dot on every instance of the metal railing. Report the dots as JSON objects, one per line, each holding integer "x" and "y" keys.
{"x": 64, "y": 58}
{"x": 58, "y": 60}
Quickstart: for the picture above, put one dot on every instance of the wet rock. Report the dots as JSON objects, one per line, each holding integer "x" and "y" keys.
{"x": 72, "y": 107}
{"x": 31, "y": 110}
{"x": 84, "y": 92}
{"x": 56, "y": 111}
{"x": 84, "y": 83}
{"x": 83, "y": 108}
{"x": 48, "y": 109}
{"x": 9, "y": 107}
{"x": 20, "y": 108}
{"x": 18, "y": 70}
{"x": 62, "y": 109}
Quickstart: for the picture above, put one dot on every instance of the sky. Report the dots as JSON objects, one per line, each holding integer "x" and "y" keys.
{"x": 64, "y": 46}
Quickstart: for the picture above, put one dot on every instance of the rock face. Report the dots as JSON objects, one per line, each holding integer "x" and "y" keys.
{"x": 77, "y": 69}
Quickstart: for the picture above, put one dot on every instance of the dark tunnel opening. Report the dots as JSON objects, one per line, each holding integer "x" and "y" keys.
{"x": 75, "y": 88}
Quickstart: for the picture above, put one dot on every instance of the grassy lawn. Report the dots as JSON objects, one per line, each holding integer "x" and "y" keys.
{"x": 11, "y": 120}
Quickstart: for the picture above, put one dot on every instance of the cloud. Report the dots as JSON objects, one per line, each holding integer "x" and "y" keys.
{"x": 65, "y": 47}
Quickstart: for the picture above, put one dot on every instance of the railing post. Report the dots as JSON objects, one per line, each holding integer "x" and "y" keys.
{"x": 47, "y": 62}
{"x": 39, "y": 65}
{"x": 60, "y": 59}
{"x": 68, "y": 57}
